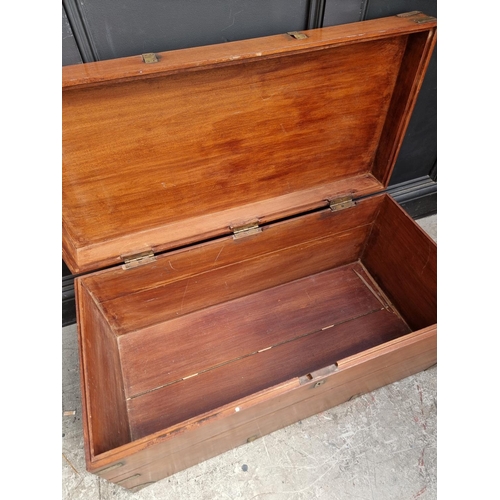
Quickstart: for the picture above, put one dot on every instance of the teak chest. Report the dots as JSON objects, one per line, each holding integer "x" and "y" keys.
{"x": 239, "y": 267}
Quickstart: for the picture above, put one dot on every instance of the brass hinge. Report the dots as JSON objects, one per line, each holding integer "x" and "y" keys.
{"x": 409, "y": 14}
{"x": 297, "y": 35}
{"x": 150, "y": 58}
{"x": 418, "y": 20}
{"x": 246, "y": 230}
{"x": 341, "y": 203}
{"x": 138, "y": 259}
{"x": 422, "y": 20}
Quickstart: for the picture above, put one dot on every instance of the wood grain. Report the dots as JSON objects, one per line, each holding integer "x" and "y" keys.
{"x": 167, "y": 452}
{"x": 224, "y": 340}
{"x": 106, "y": 424}
{"x": 272, "y": 309}
{"x": 402, "y": 259}
{"x": 239, "y": 52}
{"x": 181, "y": 297}
{"x": 285, "y": 238}
{"x": 175, "y": 403}
{"x": 259, "y": 135}
{"x": 147, "y": 164}
{"x": 223, "y": 333}
{"x": 418, "y": 52}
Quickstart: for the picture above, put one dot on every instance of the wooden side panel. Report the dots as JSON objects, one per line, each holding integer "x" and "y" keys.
{"x": 166, "y": 453}
{"x": 180, "y": 298}
{"x": 207, "y": 226}
{"x": 403, "y": 260}
{"x": 411, "y": 76}
{"x": 239, "y": 52}
{"x": 279, "y": 238}
{"x": 103, "y": 400}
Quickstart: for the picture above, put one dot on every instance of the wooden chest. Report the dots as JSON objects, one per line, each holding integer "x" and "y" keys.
{"x": 239, "y": 266}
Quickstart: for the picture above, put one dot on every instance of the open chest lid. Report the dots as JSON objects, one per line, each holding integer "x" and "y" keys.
{"x": 164, "y": 150}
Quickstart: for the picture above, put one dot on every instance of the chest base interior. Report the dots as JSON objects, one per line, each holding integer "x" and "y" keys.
{"x": 208, "y": 326}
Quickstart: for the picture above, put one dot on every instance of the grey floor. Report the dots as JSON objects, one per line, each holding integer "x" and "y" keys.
{"x": 380, "y": 446}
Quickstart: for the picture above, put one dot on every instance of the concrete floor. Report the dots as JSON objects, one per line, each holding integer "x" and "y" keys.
{"x": 380, "y": 446}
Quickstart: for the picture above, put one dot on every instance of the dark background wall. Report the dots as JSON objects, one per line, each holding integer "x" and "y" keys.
{"x": 94, "y": 30}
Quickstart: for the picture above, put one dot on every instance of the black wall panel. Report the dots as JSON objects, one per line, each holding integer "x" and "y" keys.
{"x": 119, "y": 28}
{"x": 343, "y": 11}
{"x": 70, "y": 52}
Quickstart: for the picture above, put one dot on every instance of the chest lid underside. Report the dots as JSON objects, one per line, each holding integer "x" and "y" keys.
{"x": 163, "y": 154}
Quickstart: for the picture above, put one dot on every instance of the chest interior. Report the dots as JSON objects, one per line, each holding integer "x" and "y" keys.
{"x": 226, "y": 165}
{"x": 206, "y": 326}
